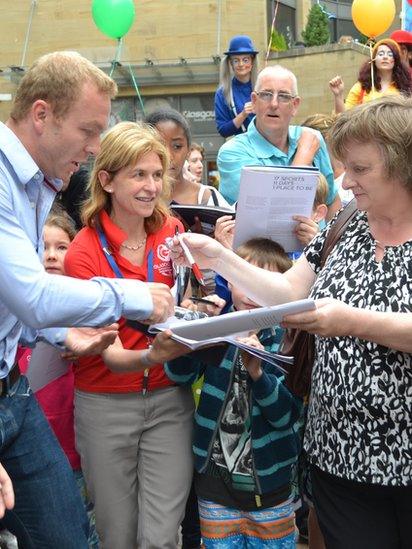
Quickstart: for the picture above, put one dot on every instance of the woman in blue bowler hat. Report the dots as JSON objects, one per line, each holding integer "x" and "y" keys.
{"x": 238, "y": 71}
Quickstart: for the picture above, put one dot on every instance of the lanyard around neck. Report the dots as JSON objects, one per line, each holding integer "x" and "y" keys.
{"x": 112, "y": 262}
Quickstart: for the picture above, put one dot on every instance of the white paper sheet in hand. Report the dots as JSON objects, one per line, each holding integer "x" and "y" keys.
{"x": 269, "y": 197}
{"x": 206, "y": 332}
{"x": 45, "y": 366}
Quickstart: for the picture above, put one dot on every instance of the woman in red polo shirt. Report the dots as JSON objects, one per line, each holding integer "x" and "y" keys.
{"x": 133, "y": 427}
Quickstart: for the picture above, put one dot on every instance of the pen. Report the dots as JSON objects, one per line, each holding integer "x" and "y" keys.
{"x": 193, "y": 265}
{"x": 201, "y": 300}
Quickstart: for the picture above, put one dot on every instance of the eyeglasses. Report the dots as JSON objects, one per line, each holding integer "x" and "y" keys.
{"x": 243, "y": 60}
{"x": 282, "y": 97}
{"x": 383, "y": 53}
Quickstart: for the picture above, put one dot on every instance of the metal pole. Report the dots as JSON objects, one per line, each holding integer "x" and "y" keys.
{"x": 219, "y": 25}
{"x": 26, "y": 41}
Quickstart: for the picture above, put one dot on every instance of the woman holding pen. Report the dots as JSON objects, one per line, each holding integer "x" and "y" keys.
{"x": 133, "y": 426}
{"x": 358, "y": 434}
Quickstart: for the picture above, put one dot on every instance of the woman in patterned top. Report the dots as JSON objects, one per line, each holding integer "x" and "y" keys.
{"x": 359, "y": 433}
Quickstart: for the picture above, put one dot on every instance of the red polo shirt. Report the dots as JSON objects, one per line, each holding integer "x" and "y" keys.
{"x": 85, "y": 259}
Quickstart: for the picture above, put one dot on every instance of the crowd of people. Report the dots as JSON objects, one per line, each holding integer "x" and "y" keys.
{"x": 140, "y": 438}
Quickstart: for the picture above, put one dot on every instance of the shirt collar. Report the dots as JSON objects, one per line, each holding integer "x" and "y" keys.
{"x": 19, "y": 158}
{"x": 265, "y": 149}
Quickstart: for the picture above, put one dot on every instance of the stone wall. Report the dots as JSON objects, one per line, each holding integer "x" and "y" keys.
{"x": 315, "y": 66}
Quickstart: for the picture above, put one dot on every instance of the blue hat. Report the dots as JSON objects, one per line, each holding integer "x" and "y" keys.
{"x": 241, "y": 44}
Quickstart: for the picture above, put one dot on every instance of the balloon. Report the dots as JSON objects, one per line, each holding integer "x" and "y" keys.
{"x": 113, "y": 17}
{"x": 373, "y": 17}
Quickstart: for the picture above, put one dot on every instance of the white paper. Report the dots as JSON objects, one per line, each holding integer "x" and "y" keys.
{"x": 45, "y": 366}
{"x": 269, "y": 197}
{"x": 205, "y": 332}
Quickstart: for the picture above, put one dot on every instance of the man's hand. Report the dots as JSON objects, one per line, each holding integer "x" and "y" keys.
{"x": 90, "y": 341}
{"x": 337, "y": 86}
{"x": 164, "y": 348}
{"x": 163, "y": 302}
{"x": 6, "y": 492}
{"x": 307, "y": 148}
{"x": 306, "y": 229}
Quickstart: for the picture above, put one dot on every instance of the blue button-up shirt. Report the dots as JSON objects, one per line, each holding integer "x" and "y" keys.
{"x": 30, "y": 298}
{"x": 252, "y": 149}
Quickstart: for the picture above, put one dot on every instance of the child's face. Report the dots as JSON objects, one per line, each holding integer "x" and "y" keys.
{"x": 240, "y": 301}
{"x": 176, "y": 142}
{"x": 56, "y": 244}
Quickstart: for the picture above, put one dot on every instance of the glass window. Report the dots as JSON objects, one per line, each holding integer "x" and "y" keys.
{"x": 199, "y": 111}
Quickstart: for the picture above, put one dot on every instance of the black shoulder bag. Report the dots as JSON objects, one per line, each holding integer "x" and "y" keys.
{"x": 301, "y": 344}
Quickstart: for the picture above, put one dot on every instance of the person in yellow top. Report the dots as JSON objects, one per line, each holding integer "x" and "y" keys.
{"x": 390, "y": 76}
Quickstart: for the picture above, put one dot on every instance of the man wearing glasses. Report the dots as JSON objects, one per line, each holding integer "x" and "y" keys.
{"x": 271, "y": 140}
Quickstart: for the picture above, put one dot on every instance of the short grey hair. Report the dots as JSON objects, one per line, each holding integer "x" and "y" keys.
{"x": 277, "y": 70}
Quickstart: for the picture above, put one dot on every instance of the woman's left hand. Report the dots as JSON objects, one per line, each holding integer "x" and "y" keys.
{"x": 331, "y": 318}
{"x": 165, "y": 348}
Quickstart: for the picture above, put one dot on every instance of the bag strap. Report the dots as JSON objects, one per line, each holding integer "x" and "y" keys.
{"x": 337, "y": 230}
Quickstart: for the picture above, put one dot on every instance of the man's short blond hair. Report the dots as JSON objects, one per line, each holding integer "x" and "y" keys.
{"x": 58, "y": 78}
{"x": 385, "y": 122}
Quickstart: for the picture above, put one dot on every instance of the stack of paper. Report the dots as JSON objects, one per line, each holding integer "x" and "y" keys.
{"x": 206, "y": 332}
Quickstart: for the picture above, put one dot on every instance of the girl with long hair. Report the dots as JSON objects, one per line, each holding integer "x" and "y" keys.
{"x": 390, "y": 77}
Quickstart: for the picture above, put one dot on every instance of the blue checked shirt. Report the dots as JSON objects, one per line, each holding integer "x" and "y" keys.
{"x": 31, "y": 299}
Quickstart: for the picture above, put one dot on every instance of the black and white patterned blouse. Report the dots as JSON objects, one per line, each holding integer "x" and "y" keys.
{"x": 360, "y": 411}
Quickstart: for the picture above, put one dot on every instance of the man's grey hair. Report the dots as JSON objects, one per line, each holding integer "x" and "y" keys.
{"x": 277, "y": 70}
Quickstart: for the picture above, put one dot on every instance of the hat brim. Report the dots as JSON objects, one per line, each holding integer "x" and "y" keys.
{"x": 246, "y": 52}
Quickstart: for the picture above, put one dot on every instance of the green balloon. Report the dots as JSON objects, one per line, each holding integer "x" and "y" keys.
{"x": 113, "y": 17}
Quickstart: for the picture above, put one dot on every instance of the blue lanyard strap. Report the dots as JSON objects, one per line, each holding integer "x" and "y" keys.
{"x": 115, "y": 268}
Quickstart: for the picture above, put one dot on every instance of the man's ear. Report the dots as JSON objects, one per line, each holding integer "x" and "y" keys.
{"x": 40, "y": 111}
{"x": 105, "y": 181}
{"x": 253, "y": 99}
{"x": 319, "y": 213}
{"x": 296, "y": 103}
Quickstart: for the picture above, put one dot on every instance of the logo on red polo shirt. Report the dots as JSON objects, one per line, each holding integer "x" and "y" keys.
{"x": 163, "y": 252}
{"x": 165, "y": 265}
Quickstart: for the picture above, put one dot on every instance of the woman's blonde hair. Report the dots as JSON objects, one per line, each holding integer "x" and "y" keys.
{"x": 121, "y": 147}
{"x": 227, "y": 73}
{"x": 385, "y": 122}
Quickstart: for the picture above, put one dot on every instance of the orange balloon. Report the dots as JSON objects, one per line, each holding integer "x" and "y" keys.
{"x": 373, "y": 17}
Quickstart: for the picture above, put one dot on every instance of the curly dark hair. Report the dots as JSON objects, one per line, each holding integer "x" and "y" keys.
{"x": 400, "y": 72}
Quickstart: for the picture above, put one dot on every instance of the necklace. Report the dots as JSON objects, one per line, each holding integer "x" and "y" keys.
{"x": 135, "y": 248}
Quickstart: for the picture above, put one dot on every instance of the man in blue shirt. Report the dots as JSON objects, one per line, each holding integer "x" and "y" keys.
{"x": 61, "y": 107}
{"x": 270, "y": 140}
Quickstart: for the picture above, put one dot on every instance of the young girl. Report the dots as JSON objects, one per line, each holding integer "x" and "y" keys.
{"x": 174, "y": 130}
{"x": 56, "y": 399}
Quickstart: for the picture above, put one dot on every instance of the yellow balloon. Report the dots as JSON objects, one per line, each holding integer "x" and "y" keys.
{"x": 373, "y": 17}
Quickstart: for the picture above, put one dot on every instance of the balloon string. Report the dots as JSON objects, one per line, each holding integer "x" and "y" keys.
{"x": 371, "y": 43}
{"x": 136, "y": 87}
{"x": 116, "y": 59}
{"x": 272, "y": 28}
